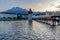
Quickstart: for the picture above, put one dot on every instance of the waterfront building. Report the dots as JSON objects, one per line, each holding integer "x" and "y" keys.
{"x": 4, "y": 15}
{"x": 40, "y": 14}
{"x": 35, "y": 14}
{"x": 22, "y": 16}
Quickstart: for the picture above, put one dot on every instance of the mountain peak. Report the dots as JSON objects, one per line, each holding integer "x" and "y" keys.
{"x": 17, "y": 10}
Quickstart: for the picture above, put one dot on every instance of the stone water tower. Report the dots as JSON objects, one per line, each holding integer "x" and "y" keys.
{"x": 30, "y": 15}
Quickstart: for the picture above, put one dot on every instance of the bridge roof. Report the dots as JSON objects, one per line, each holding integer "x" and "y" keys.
{"x": 55, "y": 14}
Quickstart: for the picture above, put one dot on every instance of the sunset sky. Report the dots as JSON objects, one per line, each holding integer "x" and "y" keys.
{"x": 36, "y": 5}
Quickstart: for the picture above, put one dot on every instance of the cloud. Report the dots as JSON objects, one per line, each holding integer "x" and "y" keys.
{"x": 58, "y": 2}
{"x": 52, "y": 5}
{"x": 40, "y": 4}
{"x": 58, "y": 6}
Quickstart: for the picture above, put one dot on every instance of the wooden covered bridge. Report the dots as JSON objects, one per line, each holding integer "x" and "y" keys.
{"x": 54, "y": 18}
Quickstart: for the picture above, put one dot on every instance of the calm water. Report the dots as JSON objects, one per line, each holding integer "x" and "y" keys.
{"x": 25, "y": 30}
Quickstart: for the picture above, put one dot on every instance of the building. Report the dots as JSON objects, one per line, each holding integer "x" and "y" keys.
{"x": 40, "y": 14}
{"x": 4, "y": 15}
{"x": 22, "y": 16}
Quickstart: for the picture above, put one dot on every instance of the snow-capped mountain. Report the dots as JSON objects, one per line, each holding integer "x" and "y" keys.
{"x": 17, "y": 10}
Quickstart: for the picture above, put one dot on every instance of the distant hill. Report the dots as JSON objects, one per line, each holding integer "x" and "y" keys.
{"x": 17, "y": 10}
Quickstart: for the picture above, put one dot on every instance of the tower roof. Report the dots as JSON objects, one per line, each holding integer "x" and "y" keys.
{"x": 30, "y": 11}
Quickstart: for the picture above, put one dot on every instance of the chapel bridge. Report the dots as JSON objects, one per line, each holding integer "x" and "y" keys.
{"x": 54, "y": 19}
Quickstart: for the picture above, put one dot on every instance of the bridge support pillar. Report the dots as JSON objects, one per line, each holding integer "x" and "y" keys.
{"x": 58, "y": 22}
{"x": 55, "y": 19}
{"x": 54, "y": 23}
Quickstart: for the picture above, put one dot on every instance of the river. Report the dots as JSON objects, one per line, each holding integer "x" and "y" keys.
{"x": 25, "y": 30}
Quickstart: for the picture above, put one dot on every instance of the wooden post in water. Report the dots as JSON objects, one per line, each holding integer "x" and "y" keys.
{"x": 54, "y": 23}
{"x": 55, "y": 20}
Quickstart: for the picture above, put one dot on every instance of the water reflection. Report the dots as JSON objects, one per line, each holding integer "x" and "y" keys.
{"x": 26, "y": 30}
{"x": 30, "y": 28}
{"x": 30, "y": 22}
